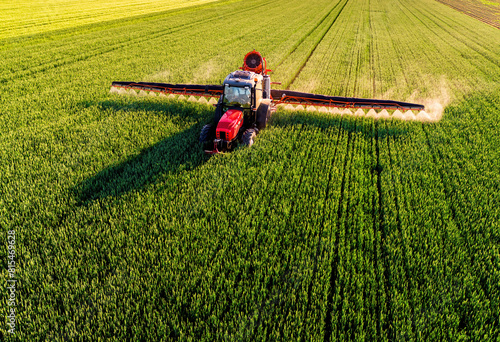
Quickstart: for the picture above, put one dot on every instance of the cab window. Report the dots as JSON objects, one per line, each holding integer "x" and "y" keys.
{"x": 237, "y": 96}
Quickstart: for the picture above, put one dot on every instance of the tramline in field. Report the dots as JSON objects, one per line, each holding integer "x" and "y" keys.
{"x": 246, "y": 102}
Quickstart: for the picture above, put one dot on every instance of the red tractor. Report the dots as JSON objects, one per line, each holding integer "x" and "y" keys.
{"x": 246, "y": 101}
{"x": 243, "y": 108}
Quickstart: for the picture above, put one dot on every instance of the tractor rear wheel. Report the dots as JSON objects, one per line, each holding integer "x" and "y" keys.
{"x": 206, "y": 133}
{"x": 263, "y": 114}
{"x": 248, "y": 137}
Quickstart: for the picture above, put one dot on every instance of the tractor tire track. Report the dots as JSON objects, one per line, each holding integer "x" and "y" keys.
{"x": 369, "y": 198}
{"x": 380, "y": 225}
{"x": 255, "y": 209}
{"x": 351, "y": 238}
{"x": 354, "y": 68}
{"x": 373, "y": 50}
{"x": 399, "y": 224}
{"x": 224, "y": 241}
{"x": 324, "y": 215}
{"x": 272, "y": 293}
{"x": 304, "y": 38}
{"x": 335, "y": 258}
{"x": 375, "y": 219}
{"x": 303, "y": 64}
{"x": 333, "y": 63}
{"x": 310, "y": 232}
{"x": 436, "y": 156}
{"x": 346, "y": 329}
{"x": 466, "y": 232}
{"x": 398, "y": 53}
{"x": 234, "y": 218}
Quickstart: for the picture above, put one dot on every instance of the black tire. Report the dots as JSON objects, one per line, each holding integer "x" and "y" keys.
{"x": 263, "y": 114}
{"x": 207, "y": 133}
{"x": 240, "y": 132}
{"x": 248, "y": 136}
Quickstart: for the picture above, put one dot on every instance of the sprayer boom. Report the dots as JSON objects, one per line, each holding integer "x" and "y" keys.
{"x": 176, "y": 89}
{"x": 307, "y": 99}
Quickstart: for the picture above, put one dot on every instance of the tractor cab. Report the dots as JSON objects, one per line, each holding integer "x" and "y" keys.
{"x": 242, "y": 89}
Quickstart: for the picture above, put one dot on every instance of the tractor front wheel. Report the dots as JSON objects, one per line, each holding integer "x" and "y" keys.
{"x": 248, "y": 137}
{"x": 206, "y": 133}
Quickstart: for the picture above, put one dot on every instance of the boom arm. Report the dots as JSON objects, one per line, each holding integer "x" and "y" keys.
{"x": 295, "y": 97}
{"x": 177, "y": 89}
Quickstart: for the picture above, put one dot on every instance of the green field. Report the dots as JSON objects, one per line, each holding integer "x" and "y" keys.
{"x": 329, "y": 228}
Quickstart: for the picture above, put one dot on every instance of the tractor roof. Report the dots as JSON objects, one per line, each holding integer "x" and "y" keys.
{"x": 242, "y": 78}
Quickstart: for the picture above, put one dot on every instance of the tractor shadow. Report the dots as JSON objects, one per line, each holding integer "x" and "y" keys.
{"x": 182, "y": 151}
{"x": 177, "y": 153}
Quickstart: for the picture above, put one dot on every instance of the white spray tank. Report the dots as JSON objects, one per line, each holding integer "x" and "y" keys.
{"x": 266, "y": 85}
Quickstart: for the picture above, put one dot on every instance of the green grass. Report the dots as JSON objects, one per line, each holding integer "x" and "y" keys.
{"x": 327, "y": 228}
{"x": 34, "y": 17}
